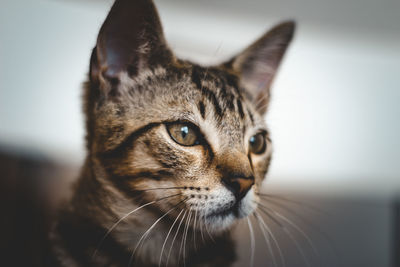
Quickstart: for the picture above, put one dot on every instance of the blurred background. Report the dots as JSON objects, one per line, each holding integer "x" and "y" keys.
{"x": 334, "y": 115}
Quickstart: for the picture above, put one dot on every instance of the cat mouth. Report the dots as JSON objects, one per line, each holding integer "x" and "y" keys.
{"x": 234, "y": 209}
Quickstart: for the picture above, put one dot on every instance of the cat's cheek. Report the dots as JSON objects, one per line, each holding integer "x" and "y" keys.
{"x": 261, "y": 167}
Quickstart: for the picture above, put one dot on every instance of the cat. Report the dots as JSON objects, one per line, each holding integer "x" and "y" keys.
{"x": 176, "y": 152}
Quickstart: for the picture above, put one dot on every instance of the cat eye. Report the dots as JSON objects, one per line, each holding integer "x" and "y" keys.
{"x": 257, "y": 143}
{"x": 183, "y": 133}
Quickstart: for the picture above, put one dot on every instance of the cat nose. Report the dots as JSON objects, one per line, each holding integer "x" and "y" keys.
{"x": 239, "y": 185}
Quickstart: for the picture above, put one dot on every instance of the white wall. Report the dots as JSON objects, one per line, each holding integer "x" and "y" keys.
{"x": 334, "y": 114}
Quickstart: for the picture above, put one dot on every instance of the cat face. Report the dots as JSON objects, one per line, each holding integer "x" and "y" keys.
{"x": 174, "y": 136}
{"x": 187, "y": 137}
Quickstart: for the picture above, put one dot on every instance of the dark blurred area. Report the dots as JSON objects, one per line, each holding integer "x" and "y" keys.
{"x": 396, "y": 236}
{"x": 326, "y": 231}
{"x": 31, "y": 186}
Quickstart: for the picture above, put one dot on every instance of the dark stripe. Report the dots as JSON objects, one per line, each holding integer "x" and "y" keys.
{"x": 202, "y": 109}
{"x": 171, "y": 162}
{"x": 196, "y": 72}
{"x": 149, "y": 174}
{"x": 209, "y": 153}
{"x": 155, "y": 175}
{"x": 232, "y": 81}
{"x": 240, "y": 108}
{"x": 213, "y": 99}
{"x": 251, "y": 162}
{"x": 229, "y": 102}
{"x": 165, "y": 156}
{"x": 122, "y": 147}
{"x": 217, "y": 79}
{"x": 226, "y": 84}
{"x": 196, "y": 76}
{"x": 251, "y": 116}
{"x": 122, "y": 183}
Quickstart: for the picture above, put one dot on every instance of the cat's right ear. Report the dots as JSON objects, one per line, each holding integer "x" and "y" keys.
{"x": 130, "y": 40}
{"x": 258, "y": 63}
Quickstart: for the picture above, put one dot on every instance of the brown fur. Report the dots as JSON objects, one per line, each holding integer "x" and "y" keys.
{"x": 131, "y": 98}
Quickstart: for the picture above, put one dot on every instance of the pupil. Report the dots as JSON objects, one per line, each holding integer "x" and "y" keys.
{"x": 252, "y": 140}
{"x": 184, "y": 131}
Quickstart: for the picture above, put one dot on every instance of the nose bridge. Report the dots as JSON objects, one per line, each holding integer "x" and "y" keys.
{"x": 235, "y": 163}
{"x": 236, "y": 173}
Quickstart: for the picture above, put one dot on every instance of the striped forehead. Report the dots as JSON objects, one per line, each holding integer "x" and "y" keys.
{"x": 229, "y": 114}
{"x": 209, "y": 97}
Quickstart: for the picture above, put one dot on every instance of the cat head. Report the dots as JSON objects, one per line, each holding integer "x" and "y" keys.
{"x": 190, "y": 138}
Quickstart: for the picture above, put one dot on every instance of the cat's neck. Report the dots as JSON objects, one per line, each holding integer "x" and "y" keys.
{"x": 82, "y": 223}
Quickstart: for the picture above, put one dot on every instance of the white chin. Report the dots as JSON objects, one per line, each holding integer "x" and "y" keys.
{"x": 218, "y": 224}
{"x": 246, "y": 207}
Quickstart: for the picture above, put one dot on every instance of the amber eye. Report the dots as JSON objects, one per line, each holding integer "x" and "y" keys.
{"x": 183, "y": 133}
{"x": 257, "y": 143}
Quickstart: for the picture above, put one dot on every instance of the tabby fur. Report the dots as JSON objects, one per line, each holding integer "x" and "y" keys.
{"x": 136, "y": 88}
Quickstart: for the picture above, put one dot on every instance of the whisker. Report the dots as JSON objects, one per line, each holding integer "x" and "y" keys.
{"x": 273, "y": 239}
{"x": 176, "y": 233}
{"x": 269, "y": 215}
{"x": 300, "y": 231}
{"x": 151, "y": 227}
{"x": 299, "y": 203}
{"x": 185, "y": 238}
{"x": 194, "y": 231}
{"x": 166, "y": 238}
{"x": 124, "y": 217}
{"x": 311, "y": 225}
{"x": 252, "y": 241}
{"x": 296, "y": 227}
{"x": 208, "y": 232}
{"x": 267, "y": 241}
{"x": 201, "y": 229}
{"x": 296, "y": 243}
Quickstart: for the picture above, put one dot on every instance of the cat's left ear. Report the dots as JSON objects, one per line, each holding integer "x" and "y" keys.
{"x": 258, "y": 64}
{"x": 130, "y": 40}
